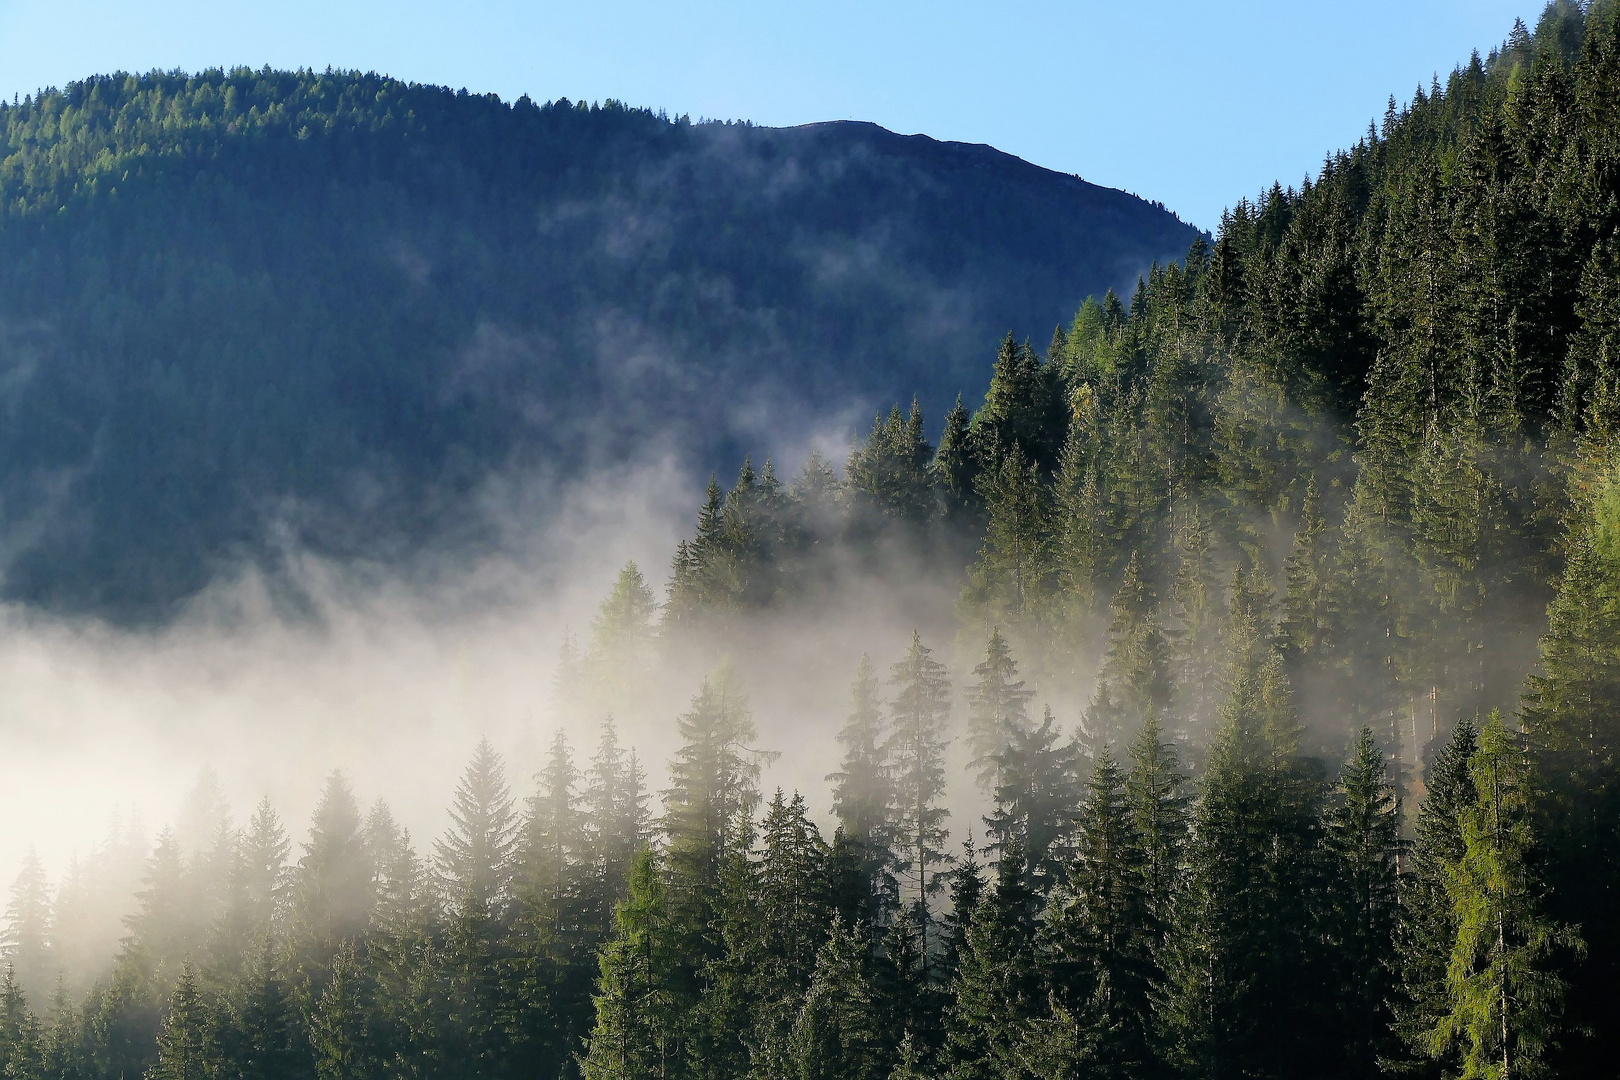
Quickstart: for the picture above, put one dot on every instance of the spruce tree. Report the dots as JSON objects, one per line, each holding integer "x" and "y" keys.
{"x": 713, "y": 780}
{"x": 1012, "y": 579}
{"x": 550, "y": 843}
{"x": 916, "y": 746}
{"x": 1102, "y": 932}
{"x": 20, "y": 1036}
{"x": 1134, "y": 684}
{"x": 998, "y": 987}
{"x": 621, "y": 642}
{"x": 27, "y": 945}
{"x": 263, "y": 1028}
{"x": 837, "y": 1034}
{"x": 889, "y": 472}
{"x": 1427, "y": 928}
{"x": 639, "y": 999}
{"x": 341, "y": 1033}
{"x": 792, "y": 919}
{"x": 1503, "y": 991}
{"x": 1037, "y": 799}
{"x": 1155, "y": 793}
{"x": 185, "y": 1043}
{"x": 332, "y": 889}
{"x": 863, "y": 791}
{"x": 955, "y": 468}
{"x": 997, "y": 709}
{"x": 475, "y": 856}
{"x": 1243, "y": 967}
{"x": 1363, "y": 834}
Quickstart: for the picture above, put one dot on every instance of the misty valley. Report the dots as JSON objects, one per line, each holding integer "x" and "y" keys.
{"x": 1227, "y": 686}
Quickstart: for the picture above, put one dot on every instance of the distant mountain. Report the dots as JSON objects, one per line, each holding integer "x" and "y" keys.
{"x": 339, "y": 303}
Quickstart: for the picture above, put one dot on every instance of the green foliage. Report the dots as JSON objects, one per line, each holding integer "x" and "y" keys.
{"x": 1504, "y": 999}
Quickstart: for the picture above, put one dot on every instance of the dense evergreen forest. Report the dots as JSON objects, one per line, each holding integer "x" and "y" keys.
{"x": 1323, "y": 523}
{"x": 247, "y": 310}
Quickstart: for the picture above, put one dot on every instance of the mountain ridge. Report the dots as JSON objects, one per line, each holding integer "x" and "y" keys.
{"x": 243, "y": 289}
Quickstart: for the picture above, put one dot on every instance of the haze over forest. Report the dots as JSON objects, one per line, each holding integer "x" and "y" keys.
{"x": 1222, "y": 684}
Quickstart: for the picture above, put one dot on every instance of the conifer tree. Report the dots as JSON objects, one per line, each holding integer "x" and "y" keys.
{"x": 1081, "y": 547}
{"x": 185, "y": 1044}
{"x": 1570, "y": 720}
{"x": 966, "y": 889}
{"x": 1154, "y": 791}
{"x": 916, "y": 746}
{"x": 1012, "y": 578}
{"x": 341, "y": 1033}
{"x": 836, "y": 1035}
{"x": 1504, "y": 995}
{"x": 997, "y": 705}
{"x": 955, "y": 468}
{"x": 1308, "y": 568}
{"x": 621, "y": 639}
{"x": 638, "y": 1014}
{"x": 792, "y": 921}
{"x": 1363, "y": 833}
{"x": 1036, "y": 801}
{"x": 863, "y": 790}
{"x": 27, "y": 945}
{"x": 262, "y": 1030}
{"x": 552, "y": 838}
{"x": 160, "y": 932}
{"x": 253, "y": 896}
{"x": 1102, "y": 931}
{"x": 332, "y": 884}
{"x": 889, "y": 471}
{"x": 1194, "y": 624}
{"x": 998, "y": 987}
{"x": 1427, "y": 929}
{"x": 20, "y": 1036}
{"x": 1242, "y": 969}
{"x": 616, "y": 820}
{"x": 475, "y": 856}
{"x": 713, "y": 781}
{"x": 1134, "y": 685}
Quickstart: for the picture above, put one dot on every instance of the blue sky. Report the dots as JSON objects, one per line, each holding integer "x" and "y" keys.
{"x": 1190, "y": 103}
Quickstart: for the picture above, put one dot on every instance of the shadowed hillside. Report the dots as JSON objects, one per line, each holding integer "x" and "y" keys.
{"x": 340, "y": 303}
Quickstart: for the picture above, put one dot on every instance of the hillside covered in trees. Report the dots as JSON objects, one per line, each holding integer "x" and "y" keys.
{"x": 1322, "y": 524}
{"x": 335, "y": 308}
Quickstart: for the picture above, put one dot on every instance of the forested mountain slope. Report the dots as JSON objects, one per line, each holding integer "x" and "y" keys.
{"x": 1323, "y": 522}
{"x": 339, "y": 303}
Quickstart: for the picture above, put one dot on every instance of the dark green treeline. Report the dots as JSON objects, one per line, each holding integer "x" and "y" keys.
{"x": 1295, "y": 516}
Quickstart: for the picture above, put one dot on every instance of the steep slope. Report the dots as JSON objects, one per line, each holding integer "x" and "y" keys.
{"x": 340, "y": 303}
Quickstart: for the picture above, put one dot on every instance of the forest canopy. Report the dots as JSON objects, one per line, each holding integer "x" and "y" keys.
{"x": 1322, "y": 523}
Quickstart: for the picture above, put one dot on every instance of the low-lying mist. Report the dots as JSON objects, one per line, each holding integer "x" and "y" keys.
{"x": 111, "y": 735}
